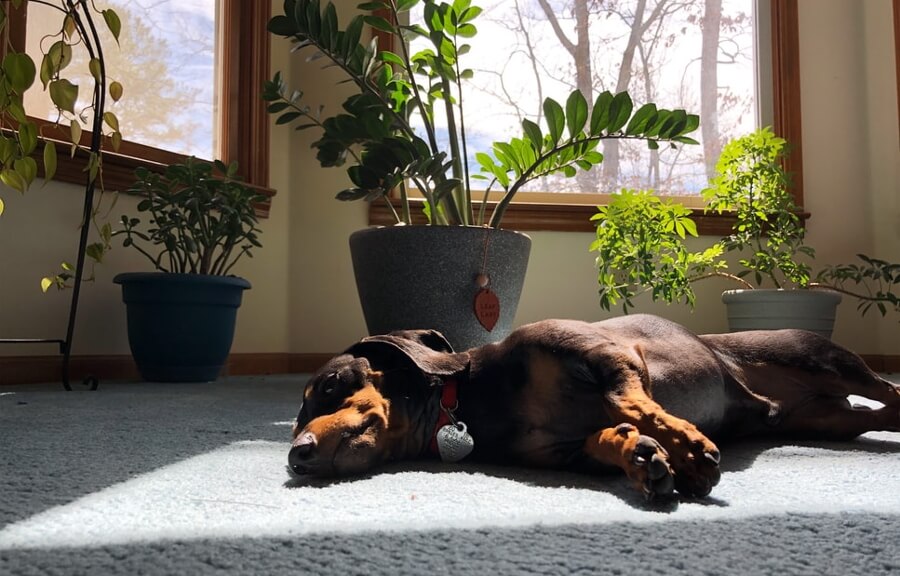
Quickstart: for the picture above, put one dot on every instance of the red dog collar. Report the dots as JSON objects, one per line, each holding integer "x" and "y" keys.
{"x": 448, "y": 405}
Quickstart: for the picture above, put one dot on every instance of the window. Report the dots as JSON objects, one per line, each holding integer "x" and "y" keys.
{"x": 192, "y": 72}
{"x": 544, "y": 55}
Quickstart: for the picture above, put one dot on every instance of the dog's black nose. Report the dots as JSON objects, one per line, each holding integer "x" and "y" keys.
{"x": 302, "y": 451}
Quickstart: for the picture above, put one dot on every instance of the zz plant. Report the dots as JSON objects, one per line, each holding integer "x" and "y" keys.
{"x": 374, "y": 135}
{"x": 200, "y": 223}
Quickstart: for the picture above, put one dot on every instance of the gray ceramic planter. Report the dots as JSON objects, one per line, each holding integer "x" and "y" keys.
{"x": 812, "y": 310}
{"x": 411, "y": 277}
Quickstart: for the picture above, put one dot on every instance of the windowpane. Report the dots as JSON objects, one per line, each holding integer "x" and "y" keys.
{"x": 663, "y": 51}
{"x": 167, "y": 64}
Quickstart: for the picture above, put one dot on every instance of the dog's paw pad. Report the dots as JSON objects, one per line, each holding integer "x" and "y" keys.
{"x": 653, "y": 470}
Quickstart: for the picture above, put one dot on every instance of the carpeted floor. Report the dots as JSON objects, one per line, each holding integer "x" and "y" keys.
{"x": 191, "y": 479}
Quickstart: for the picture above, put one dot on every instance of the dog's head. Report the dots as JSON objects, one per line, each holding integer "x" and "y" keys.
{"x": 346, "y": 424}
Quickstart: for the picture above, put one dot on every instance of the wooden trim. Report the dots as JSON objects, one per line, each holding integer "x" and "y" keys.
{"x": 786, "y": 88}
{"x": 533, "y": 217}
{"x": 897, "y": 50}
{"x": 16, "y": 370}
{"x": 565, "y": 217}
{"x": 48, "y": 369}
{"x": 15, "y": 28}
{"x": 246, "y": 61}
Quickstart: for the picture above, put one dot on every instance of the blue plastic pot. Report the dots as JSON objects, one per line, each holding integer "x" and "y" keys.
{"x": 180, "y": 326}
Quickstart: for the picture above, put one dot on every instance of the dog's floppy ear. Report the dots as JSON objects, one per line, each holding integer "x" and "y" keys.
{"x": 431, "y": 338}
{"x": 428, "y": 350}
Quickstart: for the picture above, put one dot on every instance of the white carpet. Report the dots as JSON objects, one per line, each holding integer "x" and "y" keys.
{"x": 159, "y": 468}
{"x": 239, "y": 491}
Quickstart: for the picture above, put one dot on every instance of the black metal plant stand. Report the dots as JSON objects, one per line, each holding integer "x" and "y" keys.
{"x": 90, "y": 382}
{"x": 81, "y": 16}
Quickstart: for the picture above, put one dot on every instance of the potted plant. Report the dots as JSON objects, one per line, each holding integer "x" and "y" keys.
{"x": 181, "y": 318}
{"x": 28, "y": 145}
{"x": 640, "y": 245}
{"x": 769, "y": 233}
{"x": 463, "y": 258}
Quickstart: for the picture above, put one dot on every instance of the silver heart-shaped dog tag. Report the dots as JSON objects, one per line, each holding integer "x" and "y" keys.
{"x": 454, "y": 442}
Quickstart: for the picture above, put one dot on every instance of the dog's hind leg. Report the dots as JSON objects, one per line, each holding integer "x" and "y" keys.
{"x": 836, "y": 419}
{"x": 815, "y": 404}
{"x": 810, "y": 378}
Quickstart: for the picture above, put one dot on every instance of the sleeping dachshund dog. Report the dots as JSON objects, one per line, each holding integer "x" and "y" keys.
{"x": 638, "y": 393}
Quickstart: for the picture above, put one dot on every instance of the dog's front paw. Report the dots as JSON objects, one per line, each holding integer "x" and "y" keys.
{"x": 644, "y": 460}
{"x": 650, "y": 468}
{"x": 695, "y": 460}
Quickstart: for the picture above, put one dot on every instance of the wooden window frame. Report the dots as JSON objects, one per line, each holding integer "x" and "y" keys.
{"x": 572, "y": 217}
{"x": 897, "y": 51}
{"x": 245, "y": 133}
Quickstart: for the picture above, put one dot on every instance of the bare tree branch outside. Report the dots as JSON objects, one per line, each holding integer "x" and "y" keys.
{"x": 691, "y": 54}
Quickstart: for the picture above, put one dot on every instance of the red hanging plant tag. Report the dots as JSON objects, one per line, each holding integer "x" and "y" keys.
{"x": 487, "y": 308}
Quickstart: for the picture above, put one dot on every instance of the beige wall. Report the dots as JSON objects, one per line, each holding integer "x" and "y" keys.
{"x": 303, "y": 297}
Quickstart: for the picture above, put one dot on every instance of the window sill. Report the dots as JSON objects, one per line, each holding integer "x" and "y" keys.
{"x": 118, "y": 171}
{"x": 533, "y": 217}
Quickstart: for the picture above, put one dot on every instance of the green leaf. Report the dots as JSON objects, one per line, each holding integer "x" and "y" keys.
{"x": 600, "y": 113}
{"x": 27, "y": 169}
{"x": 94, "y": 67}
{"x": 379, "y": 23}
{"x": 46, "y": 70}
{"x": 60, "y": 55}
{"x": 64, "y": 94}
{"x": 46, "y": 283}
{"x": 555, "y": 119}
{"x": 287, "y": 117}
{"x": 533, "y": 132}
{"x": 115, "y": 91}
{"x": 12, "y": 179}
{"x": 93, "y": 166}
{"x": 27, "y": 137}
{"x": 372, "y": 6}
{"x": 112, "y": 22}
{"x": 49, "y": 160}
{"x": 111, "y": 120}
{"x": 328, "y": 36}
{"x": 352, "y": 36}
{"x": 75, "y": 132}
{"x": 95, "y": 251}
{"x": 576, "y": 113}
{"x": 619, "y": 111}
{"x": 645, "y": 115}
{"x": 19, "y": 70}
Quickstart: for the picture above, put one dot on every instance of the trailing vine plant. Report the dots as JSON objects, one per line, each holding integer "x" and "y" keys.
{"x": 21, "y": 135}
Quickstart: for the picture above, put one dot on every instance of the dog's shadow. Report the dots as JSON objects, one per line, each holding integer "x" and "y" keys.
{"x": 736, "y": 457}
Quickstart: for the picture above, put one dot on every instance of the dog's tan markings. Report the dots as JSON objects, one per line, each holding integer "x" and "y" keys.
{"x": 352, "y": 437}
{"x": 644, "y": 461}
{"x": 692, "y": 455}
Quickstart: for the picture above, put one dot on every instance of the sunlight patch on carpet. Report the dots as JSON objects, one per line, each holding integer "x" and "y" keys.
{"x": 243, "y": 490}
